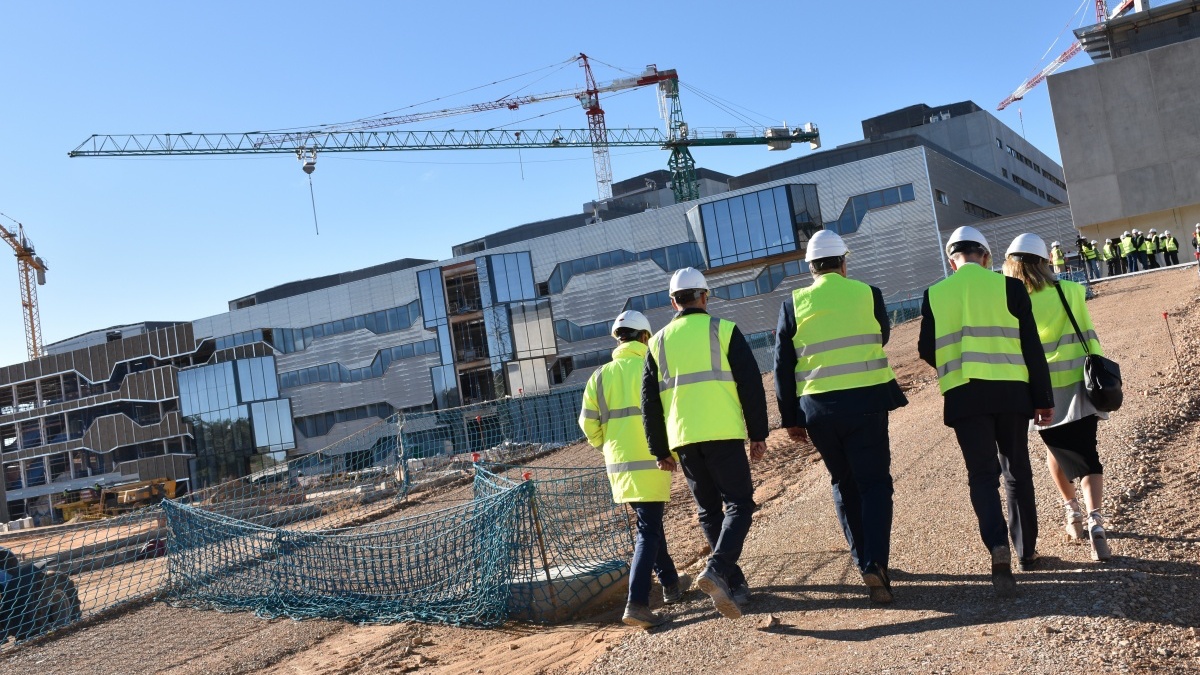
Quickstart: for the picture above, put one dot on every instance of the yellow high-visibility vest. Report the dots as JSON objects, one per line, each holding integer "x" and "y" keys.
{"x": 1126, "y": 245}
{"x": 1063, "y": 350}
{"x": 838, "y": 341}
{"x": 977, "y": 338}
{"x": 1056, "y": 256}
{"x": 611, "y": 419}
{"x": 695, "y": 383}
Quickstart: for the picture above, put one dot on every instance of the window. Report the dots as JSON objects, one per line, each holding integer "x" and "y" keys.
{"x": 999, "y": 144}
{"x": 1025, "y": 184}
{"x": 1004, "y": 172}
{"x": 766, "y": 281}
{"x": 1052, "y": 199}
{"x": 335, "y": 372}
{"x": 669, "y": 258}
{"x": 311, "y": 426}
{"x": 857, "y": 206}
{"x": 941, "y": 197}
{"x": 569, "y": 331}
{"x": 978, "y": 211}
{"x": 748, "y": 226}
{"x": 288, "y": 340}
{"x": 649, "y": 301}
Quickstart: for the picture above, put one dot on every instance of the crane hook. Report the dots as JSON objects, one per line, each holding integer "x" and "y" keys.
{"x": 309, "y": 165}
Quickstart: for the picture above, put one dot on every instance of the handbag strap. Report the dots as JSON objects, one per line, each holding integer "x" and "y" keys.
{"x": 1078, "y": 333}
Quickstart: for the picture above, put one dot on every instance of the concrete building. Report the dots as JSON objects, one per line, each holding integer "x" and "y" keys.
{"x": 1128, "y": 126}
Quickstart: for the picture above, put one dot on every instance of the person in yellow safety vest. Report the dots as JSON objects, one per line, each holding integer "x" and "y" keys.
{"x": 978, "y": 332}
{"x": 835, "y": 387}
{"x": 702, "y": 397}
{"x": 1090, "y": 258}
{"x": 1139, "y": 249}
{"x": 611, "y": 419}
{"x": 1112, "y": 257}
{"x": 1071, "y": 435}
{"x": 1129, "y": 251}
{"x": 1170, "y": 247}
{"x": 1150, "y": 248}
{"x": 1058, "y": 257}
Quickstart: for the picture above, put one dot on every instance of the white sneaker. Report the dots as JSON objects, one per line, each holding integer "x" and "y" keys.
{"x": 1100, "y": 549}
{"x": 1074, "y": 518}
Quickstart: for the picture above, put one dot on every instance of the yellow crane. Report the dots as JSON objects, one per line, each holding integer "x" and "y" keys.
{"x": 29, "y": 268}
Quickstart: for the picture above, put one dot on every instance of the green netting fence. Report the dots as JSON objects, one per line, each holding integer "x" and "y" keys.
{"x": 471, "y": 515}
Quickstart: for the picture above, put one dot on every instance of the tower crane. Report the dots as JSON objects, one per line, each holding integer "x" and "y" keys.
{"x": 1102, "y": 16}
{"x": 30, "y": 267}
{"x": 367, "y": 136}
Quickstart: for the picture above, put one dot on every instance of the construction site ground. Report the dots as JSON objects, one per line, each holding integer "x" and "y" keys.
{"x": 1136, "y": 613}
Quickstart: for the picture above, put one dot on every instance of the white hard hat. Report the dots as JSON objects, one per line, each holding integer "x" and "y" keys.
{"x": 1152, "y": 230}
{"x": 1029, "y": 243}
{"x": 631, "y": 318}
{"x": 1127, "y": 232}
{"x": 688, "y": 278}
{"x": 1166, "y": 232}
{"x": 967, "y": 233}
{"x": 825, "y": 244}
{"x": 1093, "y": 241}
{"x": 1053, "y": 243}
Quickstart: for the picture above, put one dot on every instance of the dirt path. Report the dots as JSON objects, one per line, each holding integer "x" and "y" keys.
{"x": 1133, "y": 614}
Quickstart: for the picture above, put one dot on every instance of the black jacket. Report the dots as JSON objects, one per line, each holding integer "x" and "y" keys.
{"x": 996, "y": 397}
{"x": 862, "y": 400}
{"x": 745, "y": 376}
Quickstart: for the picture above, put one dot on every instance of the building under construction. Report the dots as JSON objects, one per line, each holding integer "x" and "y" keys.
{"x": 295, "y": 368}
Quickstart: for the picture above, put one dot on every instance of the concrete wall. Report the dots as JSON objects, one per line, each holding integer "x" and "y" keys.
{"x": 1130, "y": 139}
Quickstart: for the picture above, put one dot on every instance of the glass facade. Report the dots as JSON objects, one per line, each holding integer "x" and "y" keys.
{"x": 239, "y": 339}
{"x": 288, "y": 340}
{"x": 767, "y": 281}
{"x": 239, "y": 424}
{"x": 336, "y": 372}
{"x": 434, "y": 314}
{"x": 532, "y": 329}
{"x": 569, "y": 331}
{"x": 669, "y": 258}
{"x": 516, "y": 325}
{"x": 757, "y": 224}
{"x": 312, "y": 426}
{"x": 509, "y": 277}
{"x": 857, "y": 206}
{"x": 649, "y": 301}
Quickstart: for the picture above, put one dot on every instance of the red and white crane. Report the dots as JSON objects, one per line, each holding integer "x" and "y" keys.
{"x": 1102, "y": 16}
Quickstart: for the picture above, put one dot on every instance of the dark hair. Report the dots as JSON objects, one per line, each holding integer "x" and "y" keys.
{"x": 830, "y": 264}
{"x": 629, "y": 334}
{"x": 686, "y": 295}
{"x": 968, "y": 248}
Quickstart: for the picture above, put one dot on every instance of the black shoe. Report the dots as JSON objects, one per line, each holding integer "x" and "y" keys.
{"x": 1002, "y": 576}
{"x": 1029, "y": 563}
{"x": 878, "y": 585}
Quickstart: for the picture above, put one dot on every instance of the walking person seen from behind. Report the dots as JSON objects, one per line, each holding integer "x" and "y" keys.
{"x": 1070, "y": 435}
{"x": 835, "y": 387}
{"x": 611, "y": 419}
{"x": 702, "y": 397}
{"x": 978, "y": 332}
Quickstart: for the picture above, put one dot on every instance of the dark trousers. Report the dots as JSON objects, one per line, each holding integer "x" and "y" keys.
{"x": 718, "y": 474}
{"x": 1114, "y": 267}
{"x": 1131, "y": 262}
{"x": 857, "y": 453}
{"x": 1153, "y": 260}
{"x": 649, "y": 553}
{"x": 1171, "y": 257}
{"x": 993, "y": 445}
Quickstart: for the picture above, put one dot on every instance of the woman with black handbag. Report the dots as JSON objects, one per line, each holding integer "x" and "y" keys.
{"x": 1063, "y": 326}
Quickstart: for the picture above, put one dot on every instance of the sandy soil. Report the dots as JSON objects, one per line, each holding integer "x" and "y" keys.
{"x": 1134, "y": 614}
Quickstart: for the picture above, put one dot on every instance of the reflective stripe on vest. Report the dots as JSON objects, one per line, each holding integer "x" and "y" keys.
{"x": 696, "y": 386}
{"x": 612, "y": 401}
{"x": 976, "y": 336}
{"x": 1064, "y": 353}
{"x": 838, "y": 340}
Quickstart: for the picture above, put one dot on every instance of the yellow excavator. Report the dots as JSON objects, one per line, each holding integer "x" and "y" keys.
{"x": 118, "y": 499}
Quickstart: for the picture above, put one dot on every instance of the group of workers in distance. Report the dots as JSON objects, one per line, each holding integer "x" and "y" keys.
{"x": 1130, "y": 252}
{"x": 690, "y": 396}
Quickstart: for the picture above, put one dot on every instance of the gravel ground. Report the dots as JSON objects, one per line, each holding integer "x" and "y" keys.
{"x": 810, "y": 614}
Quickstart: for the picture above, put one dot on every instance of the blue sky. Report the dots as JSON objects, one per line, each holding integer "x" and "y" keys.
{"x": 176, "y": 238}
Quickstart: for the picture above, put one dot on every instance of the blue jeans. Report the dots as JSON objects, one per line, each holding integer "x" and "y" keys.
{"x": 718, "y": 474}
{"x": 993, "y": 445}
{"x": 649, "y": 553}
{"x": 856, "y": 451}
{"x": 1094, "y": 266}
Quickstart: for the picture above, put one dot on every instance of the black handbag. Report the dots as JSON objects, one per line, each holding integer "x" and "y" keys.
{"x": 1101, "y": 376}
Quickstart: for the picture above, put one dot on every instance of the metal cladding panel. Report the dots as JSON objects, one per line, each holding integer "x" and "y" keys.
{"x": 338, "y": 432}
{"x": 339, "y": 301}
{"x": 354, "y": 349}
{"x": 406, "y": 383}
{"x": 600, "y": 296}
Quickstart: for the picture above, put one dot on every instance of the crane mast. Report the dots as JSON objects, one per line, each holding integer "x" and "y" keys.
{"x": 31, "y": 271}
{"x": 590, "y": 99}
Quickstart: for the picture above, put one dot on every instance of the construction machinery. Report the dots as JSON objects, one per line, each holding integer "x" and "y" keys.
{"x": 30, "y": 268}
{"x": 1102, "y": 15}
{"x": 367, "y": 135}
{"x": 113, "y": 501}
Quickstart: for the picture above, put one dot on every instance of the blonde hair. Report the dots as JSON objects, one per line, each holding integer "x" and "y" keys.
{"x": 1033, "y": 271}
